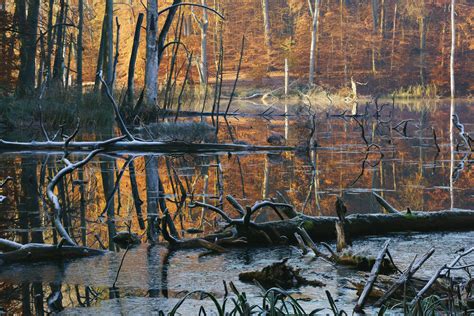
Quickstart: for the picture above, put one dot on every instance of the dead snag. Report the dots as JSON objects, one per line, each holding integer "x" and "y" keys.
{"x": 342, "y": 236}
{"x": 359, "y": 308}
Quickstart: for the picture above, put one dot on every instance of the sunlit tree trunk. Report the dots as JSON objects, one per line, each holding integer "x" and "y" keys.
{"x": 28, "y": 25}
{"x": 314, "y": 31}
{"x": 203, "y": 26}
{"x": 151, "y": 65}
{"x": 267, "y": 28}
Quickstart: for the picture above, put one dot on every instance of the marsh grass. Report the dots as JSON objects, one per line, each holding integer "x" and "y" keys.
{"x": 94, "y": 112}
{"x": 418, "y": 91}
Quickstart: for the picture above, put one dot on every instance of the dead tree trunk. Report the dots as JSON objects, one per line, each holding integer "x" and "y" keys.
{"x": 151, "y": 66}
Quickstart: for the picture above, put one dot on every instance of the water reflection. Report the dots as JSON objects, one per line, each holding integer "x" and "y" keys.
{"x": 116, "y": 193}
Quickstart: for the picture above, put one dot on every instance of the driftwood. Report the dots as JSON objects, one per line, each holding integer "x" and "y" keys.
{"x": 18, "y": 253}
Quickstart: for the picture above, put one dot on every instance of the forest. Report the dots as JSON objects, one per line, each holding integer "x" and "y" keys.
{"x": 217, "y": 157}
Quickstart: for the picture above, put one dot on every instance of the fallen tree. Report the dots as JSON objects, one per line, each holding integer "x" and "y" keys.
{"x": 134, "y": 146}
{"x": 321, "y": 228}
{"x": 14, "y": 252}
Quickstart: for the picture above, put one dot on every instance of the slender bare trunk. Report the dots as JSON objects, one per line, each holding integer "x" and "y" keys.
{"x": 452, "y": 88}
{"x": 422, "y": 27}
{"x": 100, "y": 57}
{"x": 80, "y": 28}
{"x": 151, "y": 66}
{"x": 58, "y": 68}
{"x": 267, "y": 29}
{"x": 453, "y": 46}
{"x": 204, "y": 26}
{"x": 394, "y": 28}
{"x": 314, "y": 31}
{"x": 133, "y": 59}
{"x": 109, "y": 43}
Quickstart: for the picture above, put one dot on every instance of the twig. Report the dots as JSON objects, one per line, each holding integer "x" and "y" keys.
{"x": 120, "y": 266}
{"x": 236, "y": 76}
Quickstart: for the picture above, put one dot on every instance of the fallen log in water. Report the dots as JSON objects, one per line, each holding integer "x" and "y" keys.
{"x": 134, "y": 146}
{"x": 18, "y": 253}
{"x": 323, "y": 227}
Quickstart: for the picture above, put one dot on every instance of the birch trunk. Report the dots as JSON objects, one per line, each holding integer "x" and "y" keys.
{"x": 151, "y": 66}
{"x": 204, "y": 26}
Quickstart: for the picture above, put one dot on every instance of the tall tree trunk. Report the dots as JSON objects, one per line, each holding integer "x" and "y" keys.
{"x": 151, "y": 66}
{"x": 80, "y": 49}
{"x": 133, "y": 60}
{"x": 58, "y": 68}
{"x": 375, "y": 14}
{"x": 109, "y": 43}
{"x": 204, "y": 25}
{"x": 267, "y": 29}
{"x": 453, "y": 46}
{"x": 49, "y": 39}
{"x": 28, "y": 28}
{"x": 100, "y": 58}
{"x": 69, "y": 58}
{"x": 314, "y": 35}
{"x": 422, "y": 29}
{"x": 394, "y": 28}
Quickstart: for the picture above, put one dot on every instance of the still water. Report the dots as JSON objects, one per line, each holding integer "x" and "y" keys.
{"x": 405, "y": 168}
